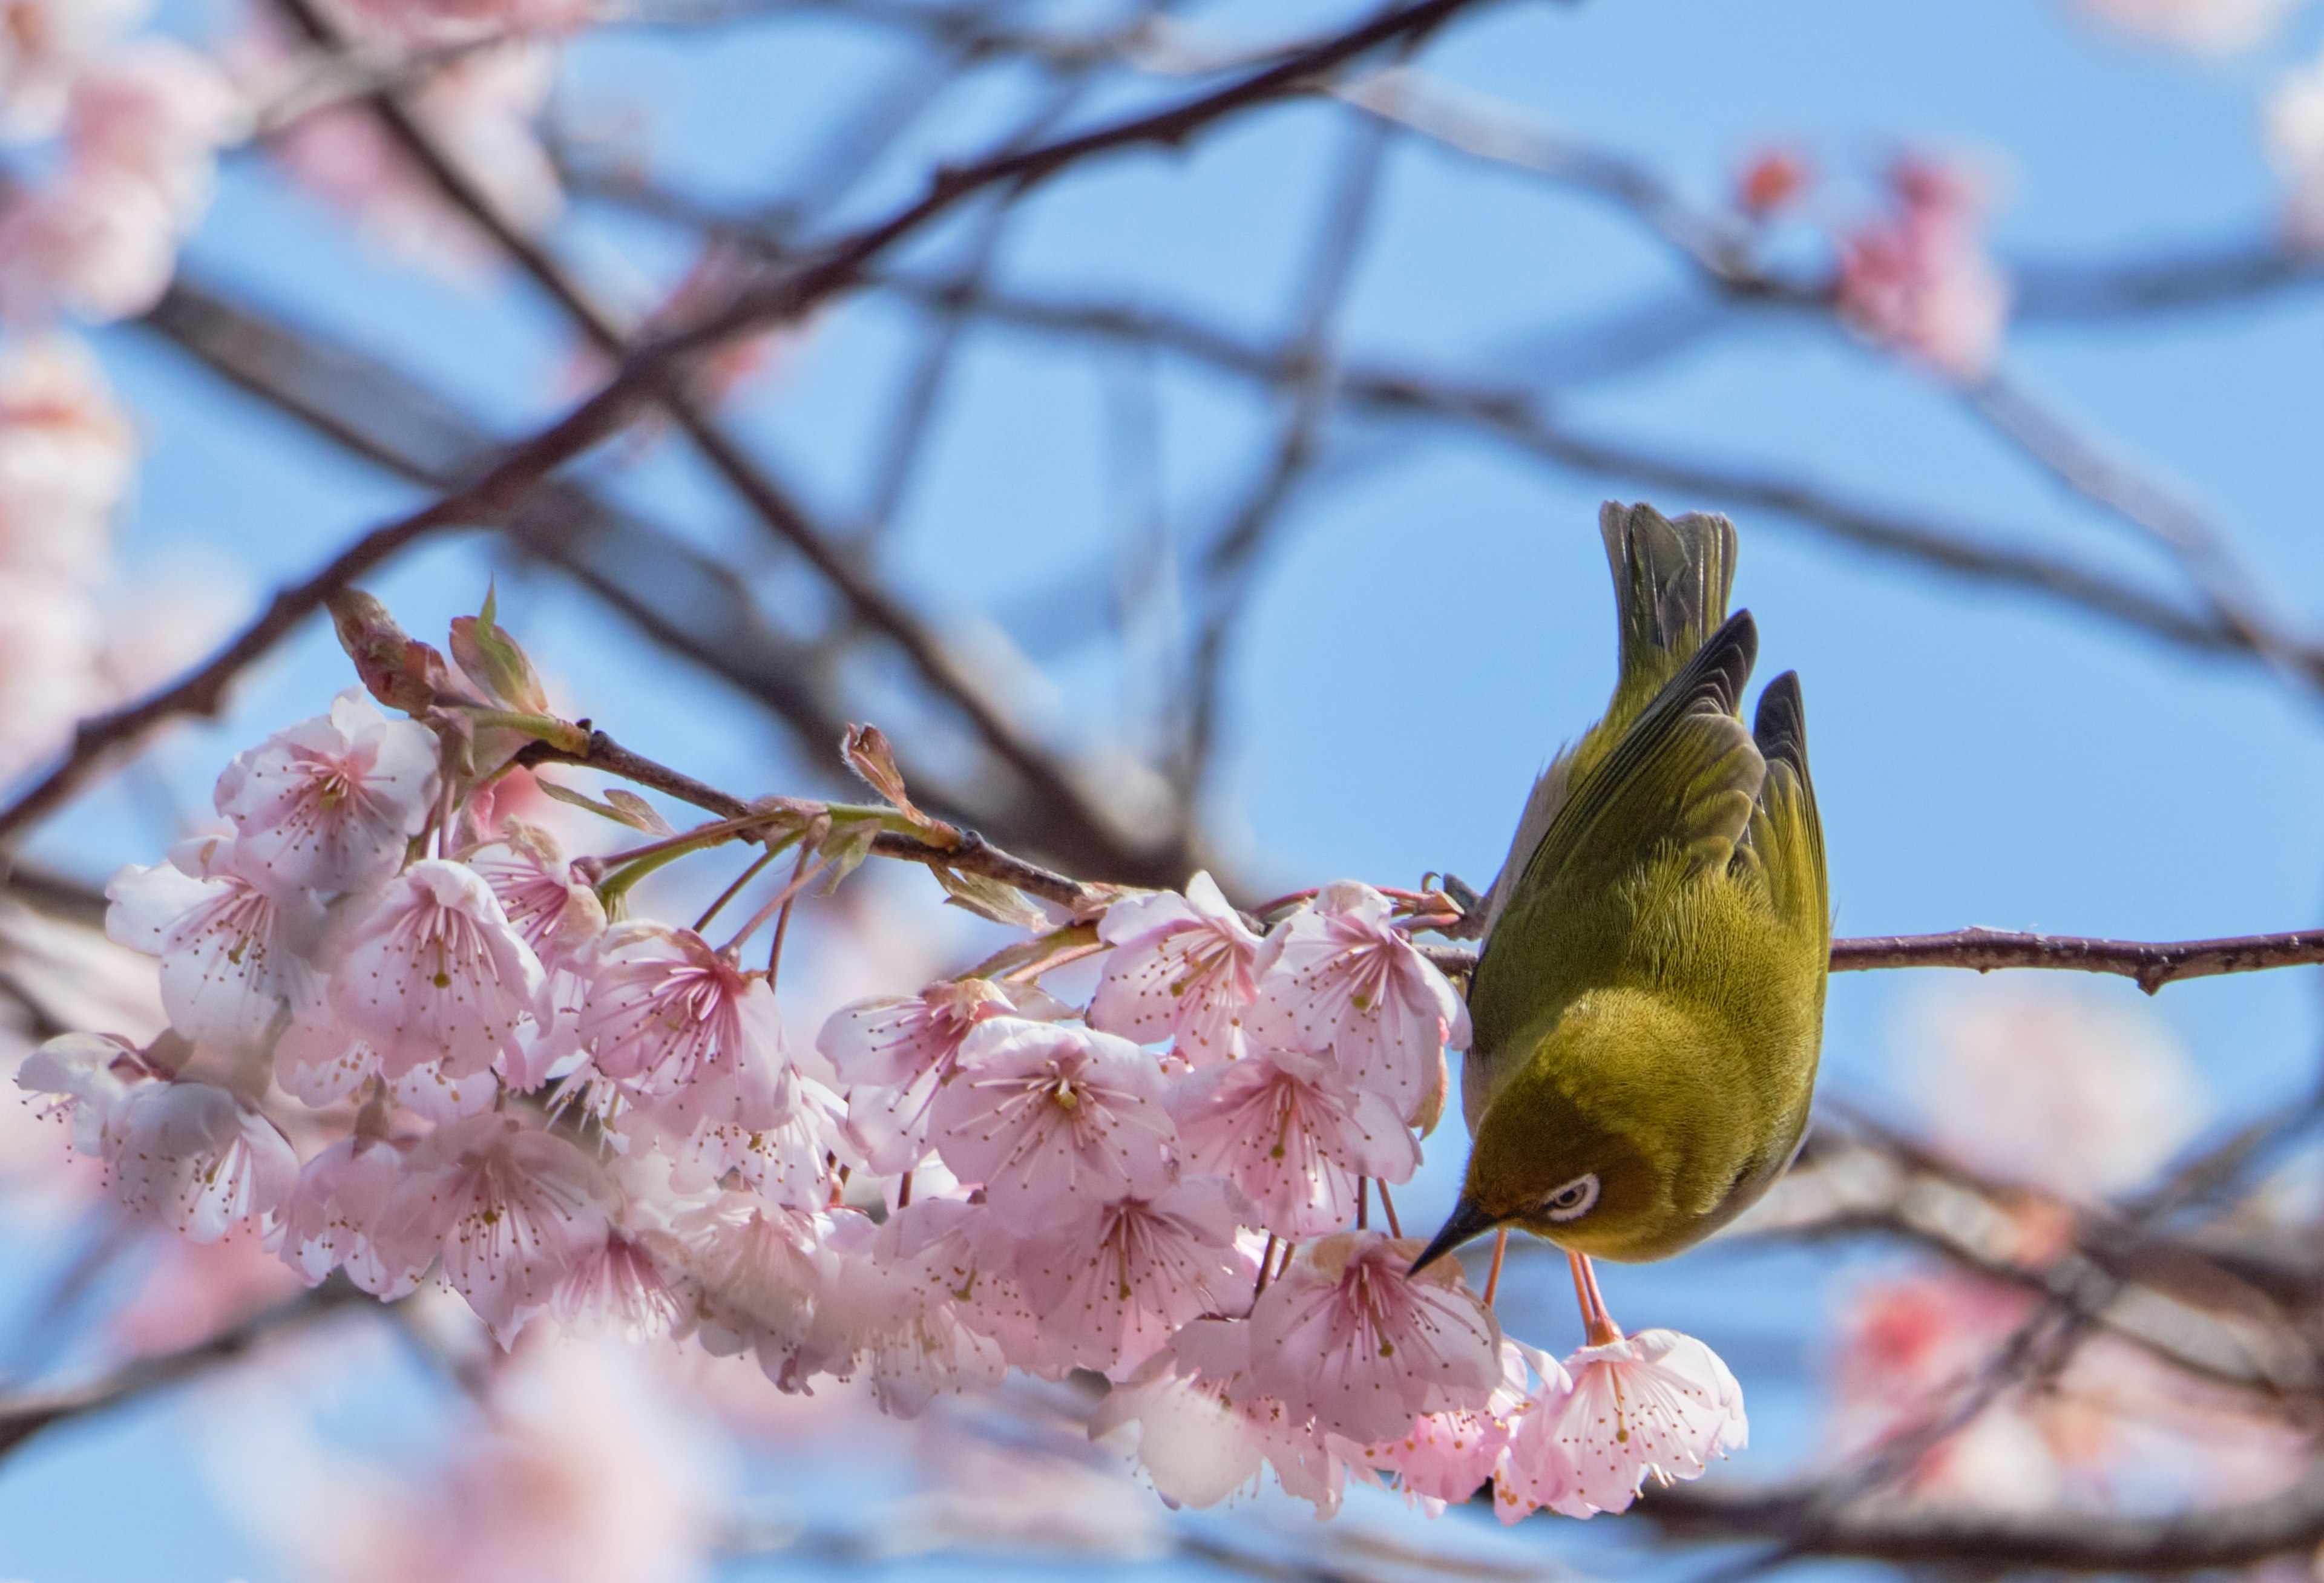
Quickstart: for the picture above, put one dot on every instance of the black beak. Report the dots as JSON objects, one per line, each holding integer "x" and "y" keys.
{"x": 1468, "y": 1220}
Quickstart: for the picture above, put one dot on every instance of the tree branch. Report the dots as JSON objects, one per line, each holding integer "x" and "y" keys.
{"x": 22, "y": 1417}
{"x": 2151, "y": 965}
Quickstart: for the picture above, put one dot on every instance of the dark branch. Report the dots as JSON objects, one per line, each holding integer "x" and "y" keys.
{"x": 2151, "y": 965}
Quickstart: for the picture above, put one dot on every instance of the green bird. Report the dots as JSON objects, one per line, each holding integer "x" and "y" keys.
{"x": 1648, "y": 1005}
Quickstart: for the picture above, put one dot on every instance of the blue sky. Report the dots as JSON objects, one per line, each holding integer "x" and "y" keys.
{"x": 1436, "y": 619}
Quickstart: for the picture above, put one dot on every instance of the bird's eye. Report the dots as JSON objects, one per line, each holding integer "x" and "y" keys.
{"x": 1572, "y": 1201}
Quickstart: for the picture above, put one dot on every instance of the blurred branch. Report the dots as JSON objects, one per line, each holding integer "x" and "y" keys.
{"x": 2060, "y": 1539}
{"x": 24, "y": 1416}
{"x": 1231, "y": 564}
{"x": 2103, "y": 475}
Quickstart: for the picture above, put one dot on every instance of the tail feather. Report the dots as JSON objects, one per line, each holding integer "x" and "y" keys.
{"x": 1672, "y": 579}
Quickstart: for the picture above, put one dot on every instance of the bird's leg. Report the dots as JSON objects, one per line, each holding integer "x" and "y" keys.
{"x": 1597, "y": 1324}
{"x": 1493, "y": 1277}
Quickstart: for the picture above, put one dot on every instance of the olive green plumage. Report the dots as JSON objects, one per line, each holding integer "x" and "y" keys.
{"x": 1648, "y": 1007}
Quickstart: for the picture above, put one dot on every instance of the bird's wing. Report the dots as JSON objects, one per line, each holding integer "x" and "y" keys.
{"x": 1783, "y": 850}
{"x": 1672, "y": 577}
{"x": 1677, "y": 790}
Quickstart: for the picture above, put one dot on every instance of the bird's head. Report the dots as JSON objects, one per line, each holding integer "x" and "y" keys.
{"x": 1563, "y": 1170}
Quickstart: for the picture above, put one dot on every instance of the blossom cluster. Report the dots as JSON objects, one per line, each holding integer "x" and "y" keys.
{"x": 138, "y": 121}
{"x": 411, "y": 1036}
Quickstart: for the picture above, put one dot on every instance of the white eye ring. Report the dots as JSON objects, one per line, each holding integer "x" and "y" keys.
{"x": 1572, "y": 1201}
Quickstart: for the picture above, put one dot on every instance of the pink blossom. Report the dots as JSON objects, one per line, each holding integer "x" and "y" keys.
{"x": 788, "y": 1161}
{"x": 2205, "y": 27}
{"x": 1202, "y": 1430}
{"x": 954, "y": 1253}
{"x": 319, "y": 1062}
{"x": 617, "y": 1288}
{"x": 428, "y": 970}
{"x": 1347, "y": 1334}
{"x": 749, "y": 1274}
{"x": 48, "y": 641}
{"x": 1115, "y": 1280}
{"x": 1338, "y": 976}
{"x": 1445, "y": 1458}
{"x": 1041, "y": 1113}
{"x": 66, "y": 456}
{"x": 338, "y": 1199}
{"x": 331, "y": 804}
{"x": 509, "y": 1207}
{"x": 200, "y": 1159}
{"x": 1655, "y": 1404}
{"x": 561, "y": 918}
{"x": 447, "y": 21}
{"x": 690, "y": 1042}
{"x": 895, "y": 1053}
{"x": 95, "y": 242}
{"x": 664, "y": 1009}
{"x": 1919, "y": 279}
{"x": 1284, "y": 1129}
{"x": 892, "y": 1318}
{"x": 156, "y": 112}
{"x": 1182, "y": 967}
{"x": 233, "y": 957}
{"x": 2292, "y": 122}
{"x": 45, "y": 45}
{"x": 89, "y": 1076}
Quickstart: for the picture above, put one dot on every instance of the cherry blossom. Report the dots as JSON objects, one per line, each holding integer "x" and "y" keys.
{"x": 199, "y": 1158}
{"x": 338, "y": 1198}
{"x": 750, "y": 1275}
{"x": 158, "y": 112}
{"x": 2294, "y": 125}
{"x": 1202, "y": 1429}
{"x": 1447, "y": 1457}
{"x": 894, "y": 1053}
{"x": 510, "y": 1208}
{"x": 2102, "y": 1095}
{"x": 1114, "y": 1281}
{"x": 664, "y": 1010}
{"x": 427, "y": 969}
{"x": 1346, "y": 1332}
{"x": 45, "y": 45}
{"x": 234, "y": 958}
{"x": 331, "y": 804}
{"x": 96, "y": 242}
{"x": 66, "y": 456}
{"x": 1039, "y": 1113}
{"x": 1918, "y": 279}
{"x": 2209, "y": 27}
{"x": 450, "y": 20}
{"x": 1655, "y": 1404}
{"x": 1284, "y": 1128}
{"x": 956, "y": 1254}
{"x": 1339, "y": 975}
{"x": 88, "y": 1077}
{"x": 1182, "y": 967}
{"x": 881, "y": 1315}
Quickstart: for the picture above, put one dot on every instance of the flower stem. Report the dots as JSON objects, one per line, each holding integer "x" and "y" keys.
{"x": 1596, "y": 1320}
{"x": 1387, "y": 1208}
{"x": 727, "y": 895}
{"x": 1493, "y": 1275}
